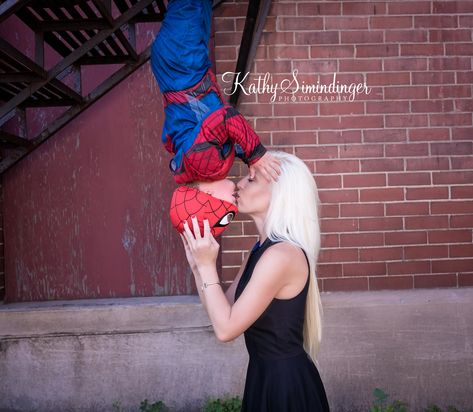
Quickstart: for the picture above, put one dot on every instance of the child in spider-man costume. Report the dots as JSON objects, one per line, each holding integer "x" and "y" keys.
{"x": 201, "y": 131}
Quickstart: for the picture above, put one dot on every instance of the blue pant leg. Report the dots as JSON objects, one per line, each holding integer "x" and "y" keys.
{"x": 180, "y": 52}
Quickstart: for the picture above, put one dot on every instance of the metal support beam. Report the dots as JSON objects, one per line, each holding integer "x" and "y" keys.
{"x": 72, "y": 25}
{"x": 260, "y": 23}
{"x": 13, "y": 53}
{"x": 250, "y": 41}
{"x": 39, "y": 49}
{"x": 9, "y": 140}
{"x": 217, "y": 3}
{"x": 10, "y": 7}
{"x": 91, "y": 61}
{"x": 19, "y": 77}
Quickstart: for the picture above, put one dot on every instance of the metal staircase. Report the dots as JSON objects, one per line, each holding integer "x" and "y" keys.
{"x": 82, "y": 33}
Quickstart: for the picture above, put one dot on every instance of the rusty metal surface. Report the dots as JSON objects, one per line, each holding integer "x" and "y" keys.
{"x": 86, "y": 214}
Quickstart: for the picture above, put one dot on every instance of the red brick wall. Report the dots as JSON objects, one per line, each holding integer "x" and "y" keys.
{"x": 394, "y": 168}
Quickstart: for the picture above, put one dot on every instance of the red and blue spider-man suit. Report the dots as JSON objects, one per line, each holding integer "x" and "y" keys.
{"x": 200, "y": 129}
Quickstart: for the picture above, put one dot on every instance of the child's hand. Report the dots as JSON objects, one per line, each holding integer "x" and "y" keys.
{"x": 267, "y": 166}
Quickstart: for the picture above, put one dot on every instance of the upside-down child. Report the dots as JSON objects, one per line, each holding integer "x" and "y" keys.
{"x": 201, "y": 130}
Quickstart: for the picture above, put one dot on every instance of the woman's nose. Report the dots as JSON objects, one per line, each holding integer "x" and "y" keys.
{"x": 239, "y": 185}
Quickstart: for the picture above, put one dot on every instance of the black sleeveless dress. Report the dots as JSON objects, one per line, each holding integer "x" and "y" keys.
{"x": 281, "y": 377}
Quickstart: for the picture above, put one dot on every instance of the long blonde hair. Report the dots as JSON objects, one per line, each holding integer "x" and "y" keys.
{"x": 293, "y": 216}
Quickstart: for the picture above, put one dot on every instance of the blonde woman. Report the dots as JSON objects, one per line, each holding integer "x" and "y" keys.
{"x": 274, "y": 300}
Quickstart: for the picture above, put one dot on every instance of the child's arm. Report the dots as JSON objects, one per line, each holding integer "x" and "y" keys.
{"x": 254, "y": 153}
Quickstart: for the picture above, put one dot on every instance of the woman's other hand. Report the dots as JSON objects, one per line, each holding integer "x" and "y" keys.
{"x": 201, "y": 250}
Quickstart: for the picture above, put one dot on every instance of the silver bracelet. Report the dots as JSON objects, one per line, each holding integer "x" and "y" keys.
{"x": 206, "y": 285}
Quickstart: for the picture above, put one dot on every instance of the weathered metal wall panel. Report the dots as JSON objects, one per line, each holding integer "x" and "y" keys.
{"x": 86, "y": 214}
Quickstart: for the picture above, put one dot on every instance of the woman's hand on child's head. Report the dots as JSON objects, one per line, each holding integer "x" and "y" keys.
{"x": 267, "y": 166}
{"x": 201, "y": 248}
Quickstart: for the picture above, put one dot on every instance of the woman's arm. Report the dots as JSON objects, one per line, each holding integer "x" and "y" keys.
{"x": 195, "y": 271}
{"x": 269, "y": 276}
{"x": 198, "y": 284}
{"x": 230, "y": 293}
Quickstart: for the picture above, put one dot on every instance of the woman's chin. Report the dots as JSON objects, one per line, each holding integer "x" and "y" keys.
{"x": 241, "y": 207}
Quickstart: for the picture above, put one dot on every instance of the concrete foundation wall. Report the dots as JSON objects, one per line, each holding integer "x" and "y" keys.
{"x": 88, "y": 355}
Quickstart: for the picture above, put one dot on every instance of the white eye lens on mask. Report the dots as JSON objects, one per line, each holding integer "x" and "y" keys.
{"x": 225, "y": 220}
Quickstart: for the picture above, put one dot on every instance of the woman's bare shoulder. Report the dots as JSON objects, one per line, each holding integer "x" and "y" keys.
{"x": 286, "y": 247}
{"x": 286, "y": 252}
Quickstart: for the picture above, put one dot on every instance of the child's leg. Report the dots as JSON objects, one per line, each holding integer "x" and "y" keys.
{"x": 180, "y": 53}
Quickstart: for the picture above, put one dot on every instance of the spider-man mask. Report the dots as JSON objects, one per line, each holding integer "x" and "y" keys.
{"x": 187, "y": 202}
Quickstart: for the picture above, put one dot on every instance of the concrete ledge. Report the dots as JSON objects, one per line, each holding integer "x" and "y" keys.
{"x": 398, "y": 297}
{"x": 86, "y": 355}
{"x": 102, "y": 316}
